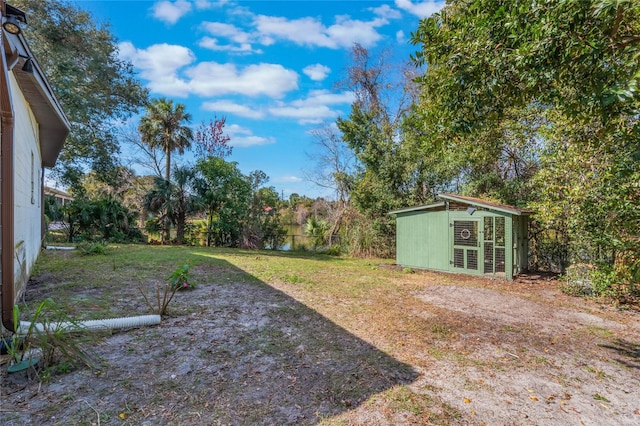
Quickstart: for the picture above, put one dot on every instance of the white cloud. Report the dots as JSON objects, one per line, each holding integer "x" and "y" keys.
{"x": 287, "y": 179}
{"x": 311, "y": 32}
{"x": 242, "y": 137}
{"x": 233, "y": 108}
{"x": 208, "y": 4}
{"x": 221, "y": 29}
{"x": 385, "y": 11}
{"x": 159, "y": 64}
{"x": 214, "y": 79}
{"x": 212, "y": 44}
{"x": 421, "y": 9}
{"x": 241, "y": 40}
{"x": 317, "y": 72}
{"x": 400, "y": 38}
{"x": 171, "y": 12}
{"x": 314, "y": 109}
{"x": 325, "y": 97}
{"x": 310, "y": 114}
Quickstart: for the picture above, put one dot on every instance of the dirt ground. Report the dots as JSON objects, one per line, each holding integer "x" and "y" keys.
{"x": 455, "y": 351}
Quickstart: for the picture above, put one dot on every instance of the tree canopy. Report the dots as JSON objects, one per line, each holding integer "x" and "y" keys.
{"x": 548, "y": 91}
{"x": 165, "y": 125}
{"x": 484, "y": 57}
{"x": 94, "y": 86}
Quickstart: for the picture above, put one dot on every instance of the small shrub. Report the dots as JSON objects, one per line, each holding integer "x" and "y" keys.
{"x": 302, "y": 248}
{"x": 603, "y": 280}
{"x": 89, "y": 248}
{"x": 57, "y": 337}
{"x": 333, "y": 250}
{"x": 178, "y": 280}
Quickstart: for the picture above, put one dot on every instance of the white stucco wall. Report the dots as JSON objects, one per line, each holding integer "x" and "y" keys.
{"x": 27, "y": 202}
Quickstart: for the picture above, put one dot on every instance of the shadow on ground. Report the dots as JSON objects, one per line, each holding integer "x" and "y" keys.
{"x": 626, "y": 352}
{"x": 235, "y": 352}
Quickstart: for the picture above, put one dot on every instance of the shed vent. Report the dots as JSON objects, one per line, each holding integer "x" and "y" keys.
{"x": 465, "y": 233}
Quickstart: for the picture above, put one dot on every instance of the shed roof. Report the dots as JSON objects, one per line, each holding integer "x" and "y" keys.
{"x": 476, "y": 202}
{"x": 418, "y": 208}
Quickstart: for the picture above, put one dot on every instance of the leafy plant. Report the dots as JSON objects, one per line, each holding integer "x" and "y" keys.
{"x": 178, "y": 280}
{"x": 52, "y": 333}
{"x": 317, "y": 230}
{"x": 89, "y": 248}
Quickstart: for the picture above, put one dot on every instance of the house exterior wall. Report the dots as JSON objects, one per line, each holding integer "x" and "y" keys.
{"x": 27, "y": 196}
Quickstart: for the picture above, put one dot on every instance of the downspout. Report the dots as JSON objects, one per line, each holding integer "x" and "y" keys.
{"x": 6, "y": 189}
{"x": 43, "y": 222}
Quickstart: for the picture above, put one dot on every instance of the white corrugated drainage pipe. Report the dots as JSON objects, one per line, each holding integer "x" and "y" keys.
{"x": 60, "y": 248}
{"x": 91, "y": 325}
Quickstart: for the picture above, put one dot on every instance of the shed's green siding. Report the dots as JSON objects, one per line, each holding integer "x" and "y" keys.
{"x": 415, "y": 235}
{"x": 425, "y": 239}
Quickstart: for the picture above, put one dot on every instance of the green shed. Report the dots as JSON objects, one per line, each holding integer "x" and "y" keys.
{"x": 464, "y": 235}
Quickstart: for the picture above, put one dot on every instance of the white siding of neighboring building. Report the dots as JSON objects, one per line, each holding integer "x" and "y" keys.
{"x": 27, "y": 197}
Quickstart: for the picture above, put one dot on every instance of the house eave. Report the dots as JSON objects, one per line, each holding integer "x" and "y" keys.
{"x": 54, "y": 126}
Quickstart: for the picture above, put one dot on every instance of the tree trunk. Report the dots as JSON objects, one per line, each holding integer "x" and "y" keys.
{"x": 167, "y": 176}
{"x": 180, "y": 225}
{"x": 209, "y": 223}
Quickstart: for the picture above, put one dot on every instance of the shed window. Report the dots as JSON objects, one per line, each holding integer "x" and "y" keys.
{"x": 465, "y": 233}
{"x": 500, "y": 259}
{"x": 472, "y": 259}
{"x": 500, "y": 231}
{"x": 458, "y": 258}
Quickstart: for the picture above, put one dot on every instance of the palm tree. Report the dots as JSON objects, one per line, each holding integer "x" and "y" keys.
{"x": 317, "y": 230}
{"x": 173, "y": 201}
{"x": 158, "y": 201}
{"x": 163, "y": 126}
{"x": 185, "y": 201}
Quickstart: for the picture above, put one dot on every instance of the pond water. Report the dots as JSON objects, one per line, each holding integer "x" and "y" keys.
{"x": 295, "y": 237}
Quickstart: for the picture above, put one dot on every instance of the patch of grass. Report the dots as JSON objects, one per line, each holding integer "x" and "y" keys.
{"x": 600, "y": 332}
{"x": 539, "y": 360}
{"x": 294, "y": 279}
{"x": 401, "y": 398}
{"x": 440, "y": 330}
{"x": 272, "y": 341}
{"x": 599, "y": 397}
{"x": 413, "y": 408}
{"x": 600, "y": 375}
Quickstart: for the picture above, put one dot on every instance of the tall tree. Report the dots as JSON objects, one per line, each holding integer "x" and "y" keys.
{"x": 484, "y": 57}
{"x": 262, "y": 224}
{"x": 574, "y": 65}
{"x": 165, "y": 125}
{"x": 173, "y": 201}
{"x": 373, "y": 131}
{"x": 185, "y": 198}
{"x": 211, "y": 140}
{"x": 95, "y": 87}
{"x": 224, "y": 192}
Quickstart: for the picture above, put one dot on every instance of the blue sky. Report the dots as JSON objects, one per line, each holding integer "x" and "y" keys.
{"x": 269, "y": 67}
